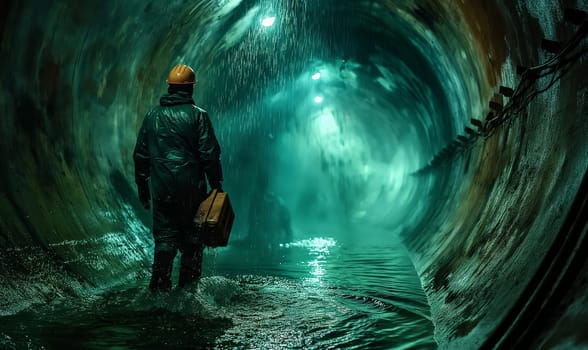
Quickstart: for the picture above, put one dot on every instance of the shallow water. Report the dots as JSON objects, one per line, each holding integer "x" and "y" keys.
{"x": 313, "y": 293}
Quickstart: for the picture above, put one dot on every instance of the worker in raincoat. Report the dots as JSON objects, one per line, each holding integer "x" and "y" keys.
{"x": 175, "y": 155}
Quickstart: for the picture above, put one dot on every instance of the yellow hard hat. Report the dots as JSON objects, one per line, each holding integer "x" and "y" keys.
{"x": 181, "y": 75}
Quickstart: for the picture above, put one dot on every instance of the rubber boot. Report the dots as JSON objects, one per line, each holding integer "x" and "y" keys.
{"x": 162, "y": 270}
{"x": 190, "y": 265}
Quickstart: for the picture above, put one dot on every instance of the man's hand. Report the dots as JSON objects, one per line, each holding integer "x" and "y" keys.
{"x": 214, "y": 174}
{"x": 144, "y": 196}
{"x": 216, "y": 185}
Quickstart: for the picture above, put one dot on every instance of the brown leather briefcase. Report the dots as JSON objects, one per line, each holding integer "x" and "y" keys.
{"x": 214, "y": 219}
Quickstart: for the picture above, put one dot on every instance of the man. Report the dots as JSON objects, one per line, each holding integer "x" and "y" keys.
{"x": 176, "y": 152}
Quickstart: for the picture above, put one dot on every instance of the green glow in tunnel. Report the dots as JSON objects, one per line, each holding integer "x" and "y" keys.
{"x": 325, "y": 111}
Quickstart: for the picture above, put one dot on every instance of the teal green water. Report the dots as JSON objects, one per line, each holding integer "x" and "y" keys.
{"x": 315, "y": 293}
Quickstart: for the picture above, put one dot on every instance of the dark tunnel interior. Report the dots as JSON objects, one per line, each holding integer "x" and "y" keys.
{"x": 450, "y": 133}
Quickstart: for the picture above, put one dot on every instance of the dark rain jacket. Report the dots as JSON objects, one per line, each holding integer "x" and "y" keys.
{"x": 176, "y": 151}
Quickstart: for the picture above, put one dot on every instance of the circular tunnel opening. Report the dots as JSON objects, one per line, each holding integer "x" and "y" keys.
{"x": 332, "y": 123}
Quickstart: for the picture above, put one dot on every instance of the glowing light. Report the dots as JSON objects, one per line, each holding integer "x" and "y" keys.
{"x": 316, "y": 76}
{"x": 318, "y": 99}
{"x": 327, "y": 124}
{"x": 268, "y": 21}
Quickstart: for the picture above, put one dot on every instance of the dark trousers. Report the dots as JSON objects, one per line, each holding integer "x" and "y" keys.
{"x": 172, "y": 232}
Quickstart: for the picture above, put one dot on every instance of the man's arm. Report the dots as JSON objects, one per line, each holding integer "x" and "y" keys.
{"x": 209, "y": 151}
{"x": 142, "y": 166}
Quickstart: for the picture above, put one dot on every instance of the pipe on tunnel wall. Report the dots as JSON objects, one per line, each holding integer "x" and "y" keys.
{"x": 76, "y": 80}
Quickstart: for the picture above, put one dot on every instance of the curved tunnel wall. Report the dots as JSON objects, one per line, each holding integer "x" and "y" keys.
{"x": 518, "y": 185}
{"x": 78, "y": 78}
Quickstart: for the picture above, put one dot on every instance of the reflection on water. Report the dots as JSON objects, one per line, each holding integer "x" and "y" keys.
{"x": 313, "y": 293}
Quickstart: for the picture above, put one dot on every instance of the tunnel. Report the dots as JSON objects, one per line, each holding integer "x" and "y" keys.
{"x": 421, "y": 167}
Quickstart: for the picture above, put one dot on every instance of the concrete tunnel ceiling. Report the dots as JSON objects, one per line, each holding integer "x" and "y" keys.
{"x": 336, "y": 103}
